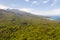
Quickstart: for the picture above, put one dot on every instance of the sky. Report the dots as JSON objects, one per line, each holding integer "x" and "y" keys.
{"x": 38, "y": 7}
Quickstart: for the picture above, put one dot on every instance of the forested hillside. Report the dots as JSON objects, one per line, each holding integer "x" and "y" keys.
{"x": 25, "y": 26}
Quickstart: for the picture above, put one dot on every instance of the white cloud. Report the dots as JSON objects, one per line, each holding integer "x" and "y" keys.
{"x": 26, "y": 9}
{"x": 27, "y": 0}
{"x": 46, "y": 1}
{"x": 54, "y": 2}
{"x": 33, "y": 11}
{"x": 44, "y": 13}
{"x": 34, "y": 2}
{"x": 3, "y": 7}
{"x": 49, "y": 13}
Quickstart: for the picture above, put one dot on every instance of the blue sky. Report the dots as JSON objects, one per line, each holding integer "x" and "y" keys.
{"x": 38, "y": 7}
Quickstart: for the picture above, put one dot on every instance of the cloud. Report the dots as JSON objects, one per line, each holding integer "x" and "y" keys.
{"x": 34, "y": 2}
{"x": 46, "y": 1}
{"x": 54, "y": 2}
{"x": 53, "y": 12}
{"x": 33, "y": 11}
{"x": 27, "y": 0}
{"x": 26, "y": 9}
{"x": 4, "y": 7}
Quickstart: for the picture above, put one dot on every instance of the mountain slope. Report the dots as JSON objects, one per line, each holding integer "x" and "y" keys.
{"x": 25, "y": 26}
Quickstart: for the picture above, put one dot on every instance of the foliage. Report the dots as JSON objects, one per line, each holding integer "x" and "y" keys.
{"x": 16, "y": 27}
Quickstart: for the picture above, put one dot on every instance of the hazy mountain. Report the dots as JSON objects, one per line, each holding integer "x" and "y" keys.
{"x": 16, "y": 11}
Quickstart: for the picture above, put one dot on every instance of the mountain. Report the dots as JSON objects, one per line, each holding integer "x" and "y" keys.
{"x": 26, "y": 13}
{"x": 17, "y": 11}
{"x": 21, "y": 25}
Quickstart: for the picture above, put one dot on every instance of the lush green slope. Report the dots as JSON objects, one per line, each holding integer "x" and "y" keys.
{"x": 15, "y": 26}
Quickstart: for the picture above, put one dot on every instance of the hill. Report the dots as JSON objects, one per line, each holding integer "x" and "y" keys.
{"x": 20, "y": 25}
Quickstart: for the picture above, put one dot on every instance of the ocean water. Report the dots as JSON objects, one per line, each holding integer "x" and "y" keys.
{"x": 55, "y": 17}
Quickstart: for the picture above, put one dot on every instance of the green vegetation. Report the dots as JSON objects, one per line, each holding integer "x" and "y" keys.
{"x": 15, "y": 26}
